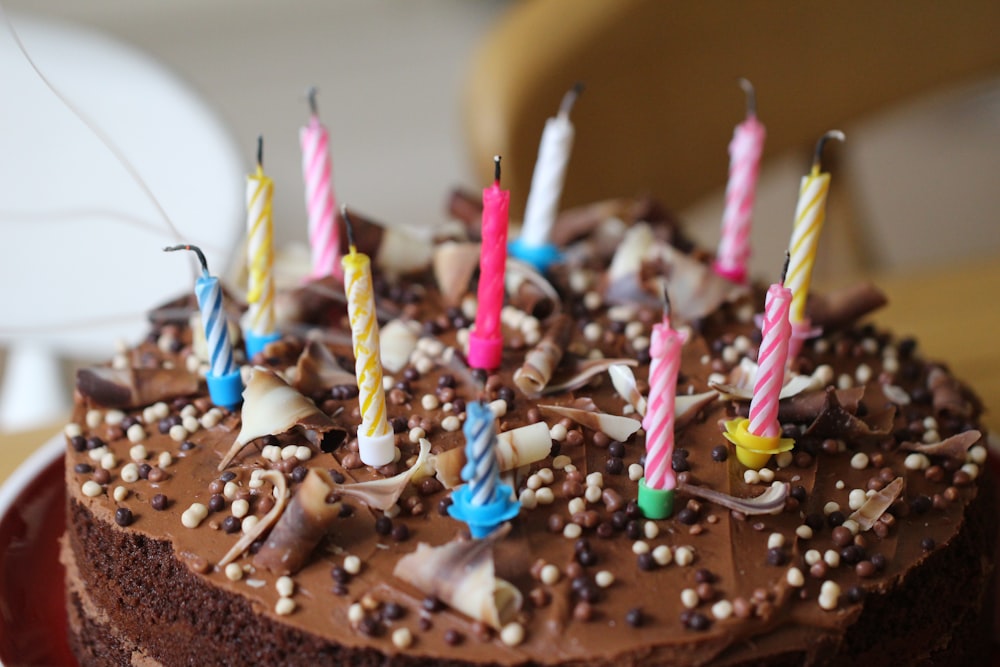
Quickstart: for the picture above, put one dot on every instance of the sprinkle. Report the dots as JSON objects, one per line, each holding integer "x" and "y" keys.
{"x": 430, "y": 402}
{"x": 916, "y": 461}
{"x": 93, "y": 418}
{"x": 970, "y": 469}
{"x": 804, "y": 531}
{"x": 108, "y": 461}
{"x": 775, "y": 541}
{"x": 91, "y": 489}
{"x": 284, "y": 606}
{"x": 795, "y": 578}
{"x": 845, "y": 381}
{"x": 233, "y": 572}
{"x": 684, "y": 556}
{"x": 355, "y": 613}
{"x": 859, "y": 461}
{"x": 285, "y": 586}
{"x": 545, "y": 496}
{"x": 249, "y": 523}
{"x": 751, "y": 476}
{"x": 527, "y": 499}
{"x": 230, "y": 490}
{"x": 863, "y": 373}
{"x": 288, "y": 452}
{"x": 978, "y": 455}
{"x": 831, "y": 507}
{"x": 178, "y": 433}
{"x": 402, "y": 638}
{"x": 640, "y": 547}
{"x": 512, "y": 634}
{"x": 498, "y": 407}
{"x": 857, "y": 498}
{"x": 593, "y": 494}
{"x": 534, "y": 482}
{"x": 96, "y": 454}
{"x": 766, "y": 475}
{"x": 561, "y": 461}
{"x": 604, "y": 578}
{"x": 784, "y": 459}
{"x": 549, "y": 575}
{"x": 138, "y": 452}
{"x": 271, "y": 453}
{"x": 663, "y": 555}
{"x": 352, "y": 564}
{"x": 576, "y": 505}
{"x": 240, "y": 508}
{"x": 650, "y": 530}
{"x": 722, "y": 609}
{"x": 572, "y": 531}
{"x": 120, "y": 493}
{"x": 164, "y": 460}
{"x": 829, "y": 594}
{"x": 831, "y": 558}
{"x": 689, "y": 598}
{"x": 635, "y": 472}
{"x": 303, "y": 453}
{"x": 546, "y": 475}
{"x": 72, "y": 430}
{"x": 194, "y": 515}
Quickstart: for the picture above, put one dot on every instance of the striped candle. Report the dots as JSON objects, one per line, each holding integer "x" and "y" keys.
{"x": 744, "y": 165}
{"x": 775, "y": 332}
{"x": 324, "y": 239}
{"x": 365, "y": 337}
{"x": 260, "y": 251}
{"x": 481, "y": 471}
{"x": 665, "y": 361}
{"x": 810, "y": 212}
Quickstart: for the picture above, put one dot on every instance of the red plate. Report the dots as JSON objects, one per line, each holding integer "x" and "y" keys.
{"x": 32, "y": 603}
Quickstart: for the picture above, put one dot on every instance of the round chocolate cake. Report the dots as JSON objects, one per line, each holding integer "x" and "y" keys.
{"x": 207, "y": 535}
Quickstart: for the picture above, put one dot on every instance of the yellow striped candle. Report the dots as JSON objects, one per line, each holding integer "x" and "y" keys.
{"x": 376, "y": 442}
{"x": 260, "y": 322}
{"x": 810, "y": 212}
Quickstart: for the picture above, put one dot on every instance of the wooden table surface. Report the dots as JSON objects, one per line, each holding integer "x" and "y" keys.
{"x": 948, "y": 309}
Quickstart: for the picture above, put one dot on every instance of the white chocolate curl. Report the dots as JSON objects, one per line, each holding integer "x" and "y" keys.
{"x": 271, "y": 407}
{"x": 542, "y": 360}
{"x": 623, "y": 380}
{"x": 461, "y": 574}
{"x": 514, "y": 448}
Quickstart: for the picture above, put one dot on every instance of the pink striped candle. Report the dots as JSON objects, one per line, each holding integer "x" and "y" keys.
{"x": 324, "y": 238}
{"x": 776, "y": 333}
{"x": 744, "y": 165}
{"x": 665, "y": 361}
{"x": 486, "y": 338}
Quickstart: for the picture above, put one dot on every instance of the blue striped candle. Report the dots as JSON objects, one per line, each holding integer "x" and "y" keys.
{"x": 481, "y": 470}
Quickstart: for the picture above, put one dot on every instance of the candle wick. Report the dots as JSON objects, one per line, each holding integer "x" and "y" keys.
{"x": 751, "y": 96}
{"x": 569, "y": 99}
{"x": 193, "y": 248}
{"x": 350, "y": 228}
{"x": 665, "y": 297}
{"x": 311, "y": 96}
{"x": 784, "y": 270}
{"x": 832, "y": 134}
{"x": 260, "y": 151}
{"x": 496, "y": 169}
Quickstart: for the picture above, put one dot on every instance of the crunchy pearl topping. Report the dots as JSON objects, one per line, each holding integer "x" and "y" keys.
{"x": 233, "y": 572}
{"x": 120, "y": 493}
{"x": 663, "y": 555}
{"x": 722, "y": 609}
{"x": 285, "y": 586}
{"x": 512, "y": 634}
{"x": 549, "y": 574}
{"x": 859, "y": 461}
{"x": 194, "y": 515}
{"x": 130, "y": 473}
{"x": 402, "y": 638}
{"x": 605, "y": 578}
{"x": 284, "y": 606}
{"x": 352, "y": 564}
{"x": 689, "y": 598}
{"x": 795, "y": 578}
{"x": 684, "y": 556}
{"x": 91, "y": 489}
{"x": 829, "y": 594}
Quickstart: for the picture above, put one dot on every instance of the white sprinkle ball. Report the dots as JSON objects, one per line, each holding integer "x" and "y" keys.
{"x": 775, "y": 541}
{"x": 164, "y": 460}
{"x": 684, "y": 556}
{"x": 663, "y": 555}
{"x": 576, "y": 505}
{"x": 604, "y": 578}
{"x": 689, "y": 598}
{"x": 558, "y": 432}
{"x": 136, "y": 433}
{"x": 640, "y": 547}
{"x": 109, "y": 461}
{"x": 402, "y": 638}
{"x": 804, "y": 531}
{"x": 545, "y": 496}
{"x": 635, "y": 472}
{"x": 527, "y": 499}
{"x": 451, "y": 423}
{"x": 284, "y": 606}
{"x": 93, "y": 418}
{"x": 766, "y": 475}
{"x": 91, "y": 489}
{"x": 831, "y": 558}
{"x": 240, "y": 508}
{"x": 512, "y": 634}
{"x": 857, "y": 498}
{"x": 572, "y": 531}
{"x": 859, "y": 461}
{"x": 650, "y": 530}
{"x": 229, "y": 490}
{"x": 795, "y": 578}
{"x": 130, "y": 473}
{"x": 722, "y": 609}
{"x": 120, "y": 493}
{"x": 72, "y": 430}
{"x": 194, "y": 515}
{"x": 549, "y": 575}
{"x": 234, "y": 572}
{"x": 352, "y": 564}
{"x": 178, "y": 433}
{"x": 546, "y": 475}
{"x": 751, "y": 476}
{"x": 592, "y": 494}
{"x": 285, "y": 586}
{"x": 249, "y": 523}
{"x": 355, "y": 613}
{"x": 561, "y": 462}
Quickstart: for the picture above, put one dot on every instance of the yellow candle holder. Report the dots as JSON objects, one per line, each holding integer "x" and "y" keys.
{"x": 754, "y": 451}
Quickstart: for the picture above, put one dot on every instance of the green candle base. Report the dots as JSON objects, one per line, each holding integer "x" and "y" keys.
{"x": 654, "y": 503}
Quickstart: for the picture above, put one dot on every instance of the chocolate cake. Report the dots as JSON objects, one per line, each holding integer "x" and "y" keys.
{"x": 204, "y": 535}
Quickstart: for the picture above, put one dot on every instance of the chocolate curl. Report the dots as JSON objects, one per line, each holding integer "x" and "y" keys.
{"x": 454, "y": 265}
{"x": 317, "y": 370}
{"x": 467, "y": 208}
{"x": 869, "y": 513}
{"x": 272, "y": 407}
{"x": 280, "y": 498}
{"x": 836, "y": 422}
{"x": 541, "y": 361}
{"x": 135, "y": 387}
{"x": 579, "y": 372}
{"x": 623, "y": 380}
{"x": 528, "y": 290}
{"x": 955, "y": 447}
{"x": 303, "y": 524}
{"x": 840, "y": 308}
{"x": 771, "y": 501}
{"x": 946, "y": 394}
{"x": 381, "y": 494}
{"x": 613, "y": 426}
{"x": 810, "y": 405}
{"x": 462, "y": 575}
{"x": 515, "y": 448}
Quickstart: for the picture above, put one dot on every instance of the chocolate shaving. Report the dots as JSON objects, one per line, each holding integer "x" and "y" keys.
{"x": 578, "y": 372}
{"x": 398, "y": 339}
{"x": 317, "y": 370}
{"x": 272, "y": 407}
{"x": 383, "y": 493}
{"x": 808, "y": 406}
{"x": 840, "y": 308}
{"x": 135, "y": 387}
{"x": 528, "y": 290}
{"x": 454, "y": 265}
{"x": 280, "y": 498}
{"x": 467, "y": 208}
{"x": 868, "y": 514}
{"x": 462, "y": 575}
{"x": 771, "y": 501}
{"x": 623, "y": 380}
{"x": 305, "y": 522}
{"x": 514, "y": 448}
{"x": 955, "y": 447}
{"x": 742, "y": 377}
{"x": 542, "y": 360}
{"x": 695, "y": 290}
{"x": 946, "y": 394}
{"x": 836, "y": 422}
{"x": 615, "y": 427}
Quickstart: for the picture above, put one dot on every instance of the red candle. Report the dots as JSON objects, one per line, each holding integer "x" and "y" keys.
{"x": 486, "y": 339}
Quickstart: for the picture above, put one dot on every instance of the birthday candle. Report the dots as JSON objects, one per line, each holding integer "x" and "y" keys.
{"x": 744, "y": 165}
{"x": 810, "y": 212}
{"x": 665, "y": 359}
{"x": 481, "y": 470}
{"x": 776, "y": 332}
{"x": 260, "y": 251}
{"x": 486, "y": 338}
{"x": 224, "y": 382}
{"x": 375, "y": 437}
{"x": 324, "y": 239}
{"x": 550, "y": 173}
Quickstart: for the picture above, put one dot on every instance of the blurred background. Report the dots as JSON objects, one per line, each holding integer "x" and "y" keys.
{"x": 419, "y": 96}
